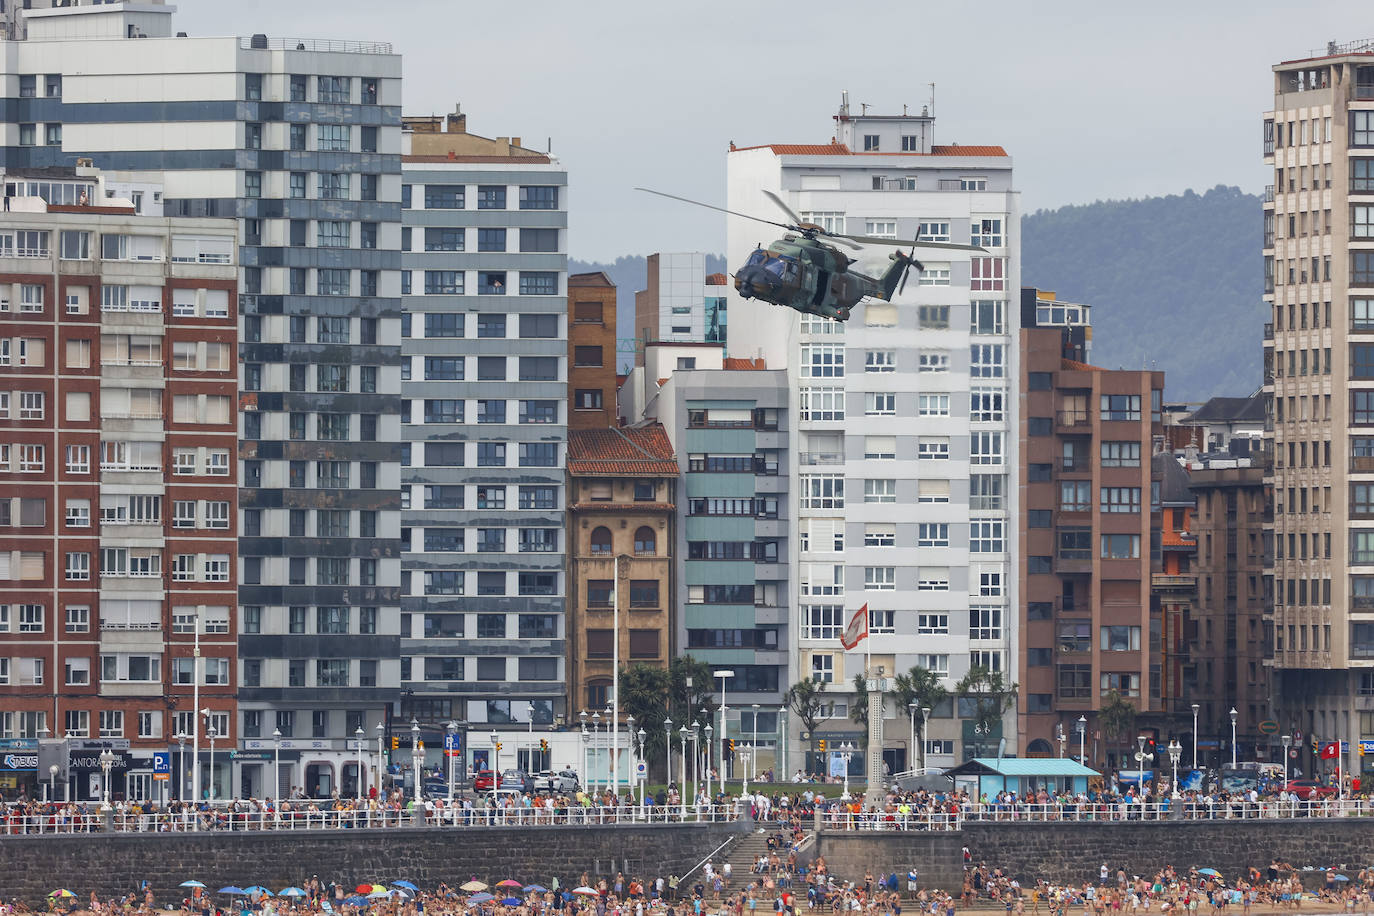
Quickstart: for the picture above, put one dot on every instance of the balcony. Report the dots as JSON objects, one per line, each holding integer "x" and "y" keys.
{"x": 1167, "y": 582}
{"x": 1362, "y": 464}
{"x": 814, "y": 459}
{"x": 1269, "y": 194}
{"x": 1364, "y": 90}
{"x": 1072, "y": 419}
{"x": 1269, "y": 330}
{"x": 1074, "y": 465}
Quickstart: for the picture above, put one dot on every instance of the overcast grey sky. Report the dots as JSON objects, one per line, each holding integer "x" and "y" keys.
{"x": 1093, "y": 100}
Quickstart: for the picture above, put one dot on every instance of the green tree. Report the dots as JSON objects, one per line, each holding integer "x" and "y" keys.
{"x": 924, "y": 688}
{"x": 643, "y": 694}
{"x": 805, "y": 699}
{"x": 858, "y": 712}
{"x": 991, "y": 695}
{"x": 1116, "y": 715}
{"x": 686, "y": 704}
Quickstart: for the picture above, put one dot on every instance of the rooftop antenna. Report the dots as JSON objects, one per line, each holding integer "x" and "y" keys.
{"x": 932, "y": 99}
{"x": 863, "y": 109}
{"x": 904, "y": 109}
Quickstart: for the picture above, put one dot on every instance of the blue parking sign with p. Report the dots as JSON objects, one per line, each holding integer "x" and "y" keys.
{"x": 162, "y": 762}
{"x": 453, "y": 742}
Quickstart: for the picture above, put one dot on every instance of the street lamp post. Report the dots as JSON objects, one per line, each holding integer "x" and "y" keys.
{"x": 596, "y": 738}
{"x": 724, "y": 676}
{"x": 1142, "y": 758}
{"x": 359, "y": 735}
{"x": 415, "y": 756}
{"x": 276, "y": 761}
{"x": 1175, "y": 752}
{"x": 630, "y": 723}
{"x": 708, "y": 730}
{"x": 107, "y": 759}
{"x": 846, "y": 752}
{"x": 915, "y": 756}
{"x": 1082, "y": 725}
{"x": 212, "y": 733}
{"x": 495, "y": 761}
{"x": 1196, "y": 707}
{"x": 52, "y": 782}
{"x": 754, "y": 746}
{"x": 381, "y": 756}
{"x": 1233, "y": 713}
{"x": 682, "y": 792}
{"x": 452, "y": 729}
{"x": 925, "y": 726}
{"x": 181, "y": 765}
{"x": 668, "y": 751}
{"x": 1287, "y": 742}
{"x": 641, "y": 760}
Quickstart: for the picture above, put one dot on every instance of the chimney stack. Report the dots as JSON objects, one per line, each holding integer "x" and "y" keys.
{"x": 458, "y": 122}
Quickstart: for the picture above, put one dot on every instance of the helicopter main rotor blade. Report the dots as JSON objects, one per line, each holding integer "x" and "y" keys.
{"x": 782, "y": 206}
{"x": 686, "y": 200}
{"x": 901, "y": 243}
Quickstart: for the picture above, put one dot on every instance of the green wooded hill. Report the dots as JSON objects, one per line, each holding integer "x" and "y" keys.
{"x": 1175, "y": 283}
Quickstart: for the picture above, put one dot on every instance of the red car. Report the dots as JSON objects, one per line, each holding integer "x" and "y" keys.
{"x": 1307, "y": 789}
{"x": 486, "y": 780}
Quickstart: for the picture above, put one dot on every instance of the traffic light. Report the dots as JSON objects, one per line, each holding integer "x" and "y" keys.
{"x": 822, "y": 745}
{"x": 544, "y": 745}
{"x": 498, "y": 745}
{"x": 732, "y": 746}
{"x": 395, "y": 743}
{"x": 419, "y": 745}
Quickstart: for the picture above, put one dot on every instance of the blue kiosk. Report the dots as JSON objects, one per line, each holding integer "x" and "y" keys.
{"x": 991, "y": 775}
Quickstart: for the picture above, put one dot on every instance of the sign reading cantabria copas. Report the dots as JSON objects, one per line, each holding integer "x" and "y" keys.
{"x": 1268, "y": 727}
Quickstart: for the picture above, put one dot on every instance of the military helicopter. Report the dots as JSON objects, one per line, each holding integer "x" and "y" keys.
{"x": 804, "y": 273}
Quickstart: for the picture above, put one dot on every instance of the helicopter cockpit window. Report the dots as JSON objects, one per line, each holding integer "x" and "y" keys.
{"x": 782, "y": 268}
{"x": 757, "y": 257}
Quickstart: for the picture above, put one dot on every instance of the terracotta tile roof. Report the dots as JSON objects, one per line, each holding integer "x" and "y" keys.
{"x": 834, "y": 148}
{"x": 1081, "y": 367}
{"x": 735, "y": 363}
{"x": 972, "y": 150}
{"x": 799, "y": 149}
{"x": 1170, "y": 538}
{"x": 632, "y": 451}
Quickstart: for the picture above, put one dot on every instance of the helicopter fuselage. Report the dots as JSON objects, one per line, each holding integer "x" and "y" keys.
{"x": 809, "y": 276}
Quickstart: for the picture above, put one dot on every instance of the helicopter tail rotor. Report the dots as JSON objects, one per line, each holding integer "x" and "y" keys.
{"x": 910, "y": 261}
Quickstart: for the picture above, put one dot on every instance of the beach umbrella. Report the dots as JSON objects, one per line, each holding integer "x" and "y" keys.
{"x": 480, "y": 898}
{"x": 405, "y": 884}
{"x": 291, "y": 892}
{"x": 509, "y": 882}
{"x": 63, "y": 892}
{"x": 356, "y": 900}
{"x": 536, "y": 889}
{"x": 473, "y": 885}
{"x": 1209, "y": 871}
{"x": 585, "y": 891}
{"x": 231, "y": 889}
{"x": 511, "y": 901}
{"x": 376, "y": 895}
{"x": 190, "y": 884}
{"x": 1342, "y": 878}
{"x": 258, "y": 889}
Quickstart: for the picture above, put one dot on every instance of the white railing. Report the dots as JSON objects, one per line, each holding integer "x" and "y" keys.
{"x": 954, "y": 817}
{"x": 90, "y": 819}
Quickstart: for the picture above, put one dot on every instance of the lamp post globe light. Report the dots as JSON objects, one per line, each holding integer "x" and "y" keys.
{"x": 1175, "y": 752}
{"x": 630, "y": 723}
{"x": 641, "y": 760}
{"x": 753, "y": 746}
{"x": 52, "y": 782}
{"x": 495, "y": 761}
{"x": 107, "y": 759}
{"x": 925, "y": 725}
{"x": 1082, "y": 726}
{"x": 1196, "y": 707}
{"x": 668, "y": 751}
{"x": 723, "y": 675}
{"x": 596, "y": 735}
{"x": 451, "y": 728}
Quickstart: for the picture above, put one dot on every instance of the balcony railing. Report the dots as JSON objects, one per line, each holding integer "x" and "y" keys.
{"x": 1072, "y": 418}
{"x": 1165, "y": 580}
{"x": 1362, "y": 464}
{"x": 1269, "y": 330}
{"x": 263, "y": 43}
{"x": 1269, "y": 194}
{"x": 820, "y": 458}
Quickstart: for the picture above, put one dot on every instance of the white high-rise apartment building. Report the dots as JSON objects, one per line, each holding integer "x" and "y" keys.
{"x": 906, "y": 414}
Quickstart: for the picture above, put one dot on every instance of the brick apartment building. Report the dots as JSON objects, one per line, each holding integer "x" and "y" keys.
{"x": 118, "y": 488}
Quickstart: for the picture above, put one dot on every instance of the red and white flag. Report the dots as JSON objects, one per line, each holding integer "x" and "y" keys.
{"x": 1331, "y": 750}
{"x": 857, "y": 629}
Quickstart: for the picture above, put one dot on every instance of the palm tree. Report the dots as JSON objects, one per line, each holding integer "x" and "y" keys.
{"x": 643, "y": 694}
{"x": 805, "y": 699}
{"x": 922, "y": 687}
{"x": 1117, "y": 715}
{"x": 992, "y": 697}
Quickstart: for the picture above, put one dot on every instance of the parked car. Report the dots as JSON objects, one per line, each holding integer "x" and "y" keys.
{"x": 434, "y": 788}
{"x": 1307, "y": 789}
{"x": 517, "y": 779}
{"x": 551, "y": 782}
{"x": 485, "y": 781}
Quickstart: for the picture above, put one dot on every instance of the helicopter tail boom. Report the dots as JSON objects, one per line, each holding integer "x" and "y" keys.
{"x": 901, "y": 262}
